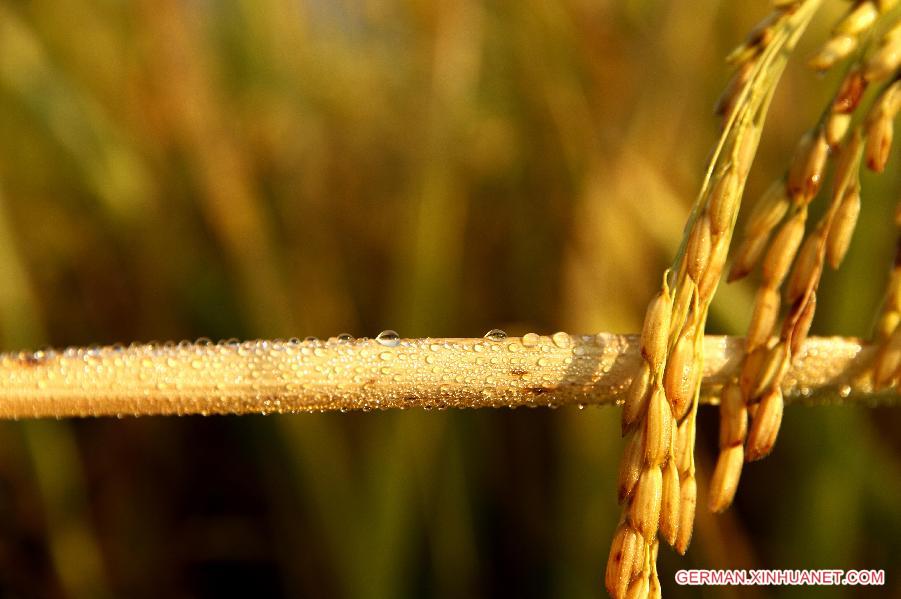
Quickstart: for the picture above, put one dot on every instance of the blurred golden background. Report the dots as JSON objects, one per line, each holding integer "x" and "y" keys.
{"x": 175, "y": 169}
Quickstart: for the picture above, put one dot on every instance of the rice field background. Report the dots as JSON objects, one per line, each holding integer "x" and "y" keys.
{"x": 179, "y": 169}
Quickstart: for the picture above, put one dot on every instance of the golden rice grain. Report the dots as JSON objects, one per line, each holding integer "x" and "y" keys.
{"x": 880, "y": 130}
{"x": 765, "y": 425}
{"x": 685, "y": 442}
{"x": 733, "y": 417}
{"x": 637, "y": 397}
{"x": 805, "y": 175}
{"x": 711, "y": 276}
{"x": 669, "y": 505}
{"x": 659, "y": 422}
{"x": 843, "y": 228}
{"x": 733, "y": 429}
{"x": 680, "y": 377}
{"x": 859, "y": 18}
{"x": 688, "y": 493}
{"x": 847, "y": 168}
{"x": 686, "y": 297}
{"x": 747, "y": 256}
{"x": 763, "y": 320}
{"x": 723, "y": 202}
{"x": 806, "y": 268}
{"x": 656, "y": 329}
{"x": 644, "y": 509}
{"x": 782, "y": 249}
{"x": 727, "y": 100}
{"x": 631, "y": 464}
{"x": 725, "y": 478}
{"x": 769, "y": 210}
{"x": 837, "y": 48}
{"x": 746, "y": 151}
{"x": 772, "y": 369}
{"x": 849, "y": 92}
{"x": 626, "y": 549}
{"x": 698, "y": 250}
{"x": 837, "y": 125}
{"x": 750, "y": 370}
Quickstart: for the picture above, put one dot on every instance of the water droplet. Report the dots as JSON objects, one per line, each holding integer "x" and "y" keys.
{"x": 495, "y": 335}
{"x": 386, "y": 355}
{"x": 310, "y": 339}
{"x": 388, "y": 338}
{"x": 530, "y": 339}
{"x": 845, "y": 390}
{"x": 561, "y": 339}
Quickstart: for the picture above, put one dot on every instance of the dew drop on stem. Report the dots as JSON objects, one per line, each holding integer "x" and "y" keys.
{"x": 388, "y": 338}
{"x": 495, "y": 335}
{"x": 530, "y": 339}
{"x": 561, "y": 340}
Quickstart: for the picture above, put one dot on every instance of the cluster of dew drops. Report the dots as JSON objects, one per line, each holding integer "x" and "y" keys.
{"x": 204, "y": 354}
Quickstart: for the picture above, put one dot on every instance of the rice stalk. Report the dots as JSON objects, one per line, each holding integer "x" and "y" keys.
{"x": 661, "y": 406}
{"x": 767, "y": 360}
{"x": 257, "y": 377}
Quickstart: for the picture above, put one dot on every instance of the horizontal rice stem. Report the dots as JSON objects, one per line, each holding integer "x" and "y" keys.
{"x": 291, "y": 376}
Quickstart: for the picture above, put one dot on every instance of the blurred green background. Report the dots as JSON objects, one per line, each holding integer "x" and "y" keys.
{"x": 276, "y": 168}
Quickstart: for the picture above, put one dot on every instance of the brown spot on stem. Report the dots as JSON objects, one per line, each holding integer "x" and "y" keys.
{"x": 30, "y": 360}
